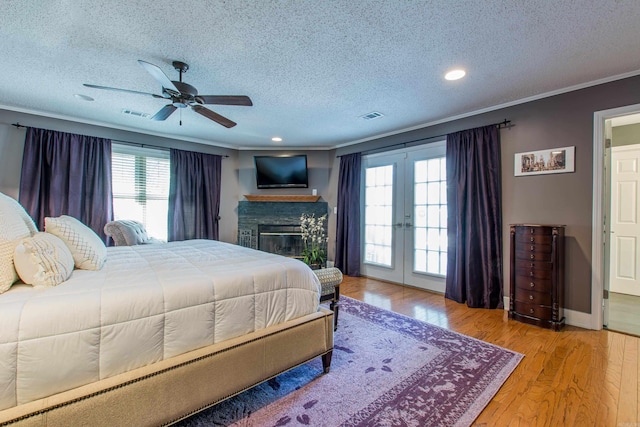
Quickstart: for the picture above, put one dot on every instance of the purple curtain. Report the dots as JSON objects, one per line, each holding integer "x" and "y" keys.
{"x": 194, "y": 195}
{"x": 67, "y": 174}
{"x": 474, "y": 219}
{"x": 348, "y": 220}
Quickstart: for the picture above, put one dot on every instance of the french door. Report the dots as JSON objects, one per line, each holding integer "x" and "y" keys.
{"x": 404, "y": 232}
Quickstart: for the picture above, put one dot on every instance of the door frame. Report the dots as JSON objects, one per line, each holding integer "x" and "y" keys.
{"x": 598, "y": 249}
{"x": 430, "y": 282}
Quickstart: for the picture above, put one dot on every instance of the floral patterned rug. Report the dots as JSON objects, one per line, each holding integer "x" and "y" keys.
{"x": 387, "y": 370}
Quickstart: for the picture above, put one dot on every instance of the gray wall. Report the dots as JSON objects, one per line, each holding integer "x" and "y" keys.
{"x": 625, "y": 135}
{"x": 12, "y": 144}
{"x": 558, "y": 121}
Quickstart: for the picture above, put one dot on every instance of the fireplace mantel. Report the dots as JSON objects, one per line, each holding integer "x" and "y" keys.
{"x": 281, "y": 198}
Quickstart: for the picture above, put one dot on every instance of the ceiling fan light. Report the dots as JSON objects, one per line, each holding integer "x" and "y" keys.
{"x": 455, "y": 74}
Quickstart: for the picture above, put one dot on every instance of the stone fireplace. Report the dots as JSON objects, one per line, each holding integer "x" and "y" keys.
{"x": 275, "y": 226}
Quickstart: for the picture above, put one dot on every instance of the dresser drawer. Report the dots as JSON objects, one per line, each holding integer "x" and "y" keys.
{"x": 533, "y": 284}
{"x": 533, "y": 310}
{"x": 528, "y": 265}
{"x": 534, "y": 273}
{"x": 532, "y": 297}
{"x": 524, "y": 238}
{"x": 543, "y": 254}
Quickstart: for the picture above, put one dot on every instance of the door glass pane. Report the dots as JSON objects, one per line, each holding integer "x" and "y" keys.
{"x": 378, "y": 220}
{"x": 430, "y": 213}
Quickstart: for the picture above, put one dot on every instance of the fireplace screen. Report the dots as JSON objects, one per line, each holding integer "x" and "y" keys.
{"x": 281, "y": 239}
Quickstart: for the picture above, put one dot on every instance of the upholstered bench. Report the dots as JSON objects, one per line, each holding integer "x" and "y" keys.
{"x": 330, "y": 279}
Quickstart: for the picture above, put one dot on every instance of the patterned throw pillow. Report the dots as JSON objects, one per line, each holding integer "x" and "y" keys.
{"x": 43, "y": 260}
{"x": 13, "y": 228}
{"x": 89, "y": 252}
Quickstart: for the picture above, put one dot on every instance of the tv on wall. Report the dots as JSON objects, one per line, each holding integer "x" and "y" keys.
{"x": 281, "y": 171}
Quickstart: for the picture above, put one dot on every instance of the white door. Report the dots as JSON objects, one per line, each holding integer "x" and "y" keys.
{"x": 625, "y": 224}
{"x": 383, "y": 225}
{"x": 404, "y": 231}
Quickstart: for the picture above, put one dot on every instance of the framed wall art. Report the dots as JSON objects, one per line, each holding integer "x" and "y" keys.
{"x": 552, "y": 160}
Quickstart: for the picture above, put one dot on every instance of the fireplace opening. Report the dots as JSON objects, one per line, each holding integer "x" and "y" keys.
{"x": 281, "y": 239}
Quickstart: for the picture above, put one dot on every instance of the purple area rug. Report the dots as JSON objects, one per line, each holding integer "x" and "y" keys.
{"x": 387, "y": 370}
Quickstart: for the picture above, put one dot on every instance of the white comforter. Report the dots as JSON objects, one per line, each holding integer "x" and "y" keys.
{"x": 147, "y": 303}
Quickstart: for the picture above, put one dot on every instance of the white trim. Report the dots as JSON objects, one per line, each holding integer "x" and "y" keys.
{"x": 597, "y": 226}
{"x": 498, "y": 107}
{"x": 571, "y": 317}
{"x": 220, "y": 144}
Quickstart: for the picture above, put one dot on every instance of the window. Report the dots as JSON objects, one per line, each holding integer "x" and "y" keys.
{"x": 430, "y": 204}
{"x": 140, "y": 181}
{"x": 378, "y": 215}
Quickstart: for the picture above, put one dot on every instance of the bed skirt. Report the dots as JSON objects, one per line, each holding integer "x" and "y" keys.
{"x": 170, "y": 390}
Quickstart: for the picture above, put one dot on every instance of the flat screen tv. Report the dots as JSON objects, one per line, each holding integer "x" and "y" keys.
{"x": 281, "y": 171}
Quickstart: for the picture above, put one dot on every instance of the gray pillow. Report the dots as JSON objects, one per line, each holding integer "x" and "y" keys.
{"x": 126, "y": 232}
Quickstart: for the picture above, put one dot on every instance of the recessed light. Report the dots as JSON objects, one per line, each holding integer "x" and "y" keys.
{"x": 455, "y": 74}
{"x": 83, "y": 97}
{"x": 276, "y": 139}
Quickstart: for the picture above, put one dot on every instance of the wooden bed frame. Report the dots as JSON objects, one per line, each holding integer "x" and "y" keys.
{"x": 173, "y": 389}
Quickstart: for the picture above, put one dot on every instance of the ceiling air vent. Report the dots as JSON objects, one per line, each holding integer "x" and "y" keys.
{"x": 372, "y": 115}
{"x": 136, "y": 113}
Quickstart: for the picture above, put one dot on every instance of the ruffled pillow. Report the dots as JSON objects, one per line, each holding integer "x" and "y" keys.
{"x": 88, "y": 251}
{"x": 43, "y": 260}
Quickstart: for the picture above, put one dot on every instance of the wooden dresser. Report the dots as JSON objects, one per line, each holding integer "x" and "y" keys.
{"x": 537, "y": 275}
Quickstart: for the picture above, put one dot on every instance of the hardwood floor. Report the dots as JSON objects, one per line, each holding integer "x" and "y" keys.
{"x": 575, "y": 377}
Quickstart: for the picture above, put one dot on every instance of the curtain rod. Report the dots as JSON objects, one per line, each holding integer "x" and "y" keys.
{"x": 505, "y": 124}
{"x": 137, "y": 144}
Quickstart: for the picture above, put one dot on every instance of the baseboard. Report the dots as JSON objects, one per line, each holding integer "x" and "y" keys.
{"x": 572, "y": 317}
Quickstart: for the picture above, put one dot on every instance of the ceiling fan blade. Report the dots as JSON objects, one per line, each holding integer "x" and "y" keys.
{"x": 165, "y": 112}
{"x": 213, "y": 116}
{"x": 122, "y": 90}
{"x": 225, "y": 100}
{"x": 161, "y": 77}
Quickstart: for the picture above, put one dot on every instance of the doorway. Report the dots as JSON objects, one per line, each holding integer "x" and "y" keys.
{"x": 404, "y": 232}
{"x": 616, "y": 210}
{"x": 624, "y": 225}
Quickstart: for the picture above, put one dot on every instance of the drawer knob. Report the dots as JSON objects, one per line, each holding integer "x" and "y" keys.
{"x": 531, "y": 310}
{"x": 531, "y": 297}
{"x": 531, "y": 274}
{"x": 532, "y": 284}
{"x": 533, "y": 256}
{"x": 532, "y": 247}
{"x": 532, "y": 240}
{"x": 531, "y": 229}
{"x": 532, "y": 265}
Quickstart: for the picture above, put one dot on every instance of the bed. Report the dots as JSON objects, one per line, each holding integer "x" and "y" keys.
{"x": 157, "y": 333}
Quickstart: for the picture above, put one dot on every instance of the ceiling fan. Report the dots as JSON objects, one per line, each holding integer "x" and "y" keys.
{"x": 183, "y": 95}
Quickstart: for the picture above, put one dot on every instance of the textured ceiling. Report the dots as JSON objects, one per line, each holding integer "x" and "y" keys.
{"x": 312, "y": 68}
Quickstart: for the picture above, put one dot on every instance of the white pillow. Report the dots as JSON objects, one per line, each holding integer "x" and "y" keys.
{"x": 43, "y": 260}
{"x": 13, "y": 228}
{"x": 89, "y": 252}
